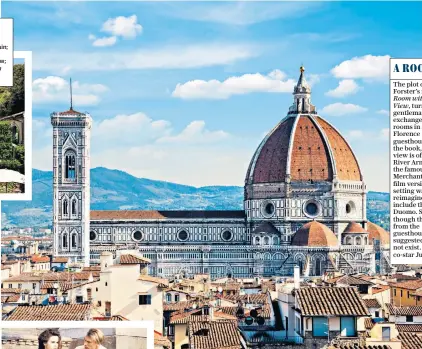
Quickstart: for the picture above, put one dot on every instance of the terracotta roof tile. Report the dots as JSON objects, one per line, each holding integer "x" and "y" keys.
{"x": 12, "y": 290}
{"x": 49, "y": 276}
{"x": 180, "y": 305}
{"x": 160, "y": 340}
{"x": 310, "y": 154}
{"x": 372, "y": 303}
{"x": 349, "y": 280}
{"x": 258, "y": 298}
{"x": 324, "y": 301}
{"x": 161, "y": 282}
{"x": 62, "y": 312}
{"x": 11, "y": 299}
{"x": 354, "y": 227}
{"x": 409, "y": 327}
{"x": 40, "y": 259}
{"x": 271, "y": 156}
{"x": 380, "y": 288}
{"x": 368, "y": 323}
{"x": 408, "y": 285}
{"x": 111, "y": 318}
{"x": 132, "y": 259}
{"x": 162, "y": 215}
{"x": 377, "y": 233}
{"x": 415, "y": 310}
{"x": 314, "y": 234}
{"x": 346, "y": 163}
{"x": 60, "y": 260}
{"x": 410, "y": 340}
{"x": 214, "y": 335}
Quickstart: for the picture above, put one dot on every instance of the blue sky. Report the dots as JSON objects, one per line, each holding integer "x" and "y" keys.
{"x": 185, "y": 92}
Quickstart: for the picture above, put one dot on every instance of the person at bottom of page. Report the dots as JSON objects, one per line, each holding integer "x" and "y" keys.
{"x": 93, "y": 340}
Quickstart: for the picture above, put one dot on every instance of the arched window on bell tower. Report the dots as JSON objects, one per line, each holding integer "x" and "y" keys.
{"x": 74, "y": 240}
{"x": 70, "y": 165}
{"x": 64, "y": 240}
{"x": 73, "y": 207}
{"x": 65, "y": 207}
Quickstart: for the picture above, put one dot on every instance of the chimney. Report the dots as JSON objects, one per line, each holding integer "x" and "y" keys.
{"x": 297, "y": 277}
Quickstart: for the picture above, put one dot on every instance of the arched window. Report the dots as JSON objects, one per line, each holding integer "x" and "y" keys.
{"x": 65, "y": 207}
{"x": 70, "y": 163}
{"x": 74, "y": 206}
{"x": 276, "y": 241}
{"x": 257, "y": 240}
{"x": 300, "y": 263}
{"x": 73, "y": 240}
{"x": 358, "y": 241}
{"x": 317, "y": 267}
{"x": 64, "y": 242}
{"x": 266, "y": 240}
{"x": 348, "y": 240}
{"x": 168, "y": 297}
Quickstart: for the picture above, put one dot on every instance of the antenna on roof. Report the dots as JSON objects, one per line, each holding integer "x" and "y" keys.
{"x": 71, "y": 102}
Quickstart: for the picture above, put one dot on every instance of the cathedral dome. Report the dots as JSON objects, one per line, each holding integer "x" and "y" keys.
{"x": 355, "y": 228}
{"x": 315, "y": 234}
{"x": 303, "y": 147}
{"x": 378, "y": 233}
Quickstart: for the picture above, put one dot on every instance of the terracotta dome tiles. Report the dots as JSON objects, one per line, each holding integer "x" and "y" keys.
{"x": 271, "y": 163}
{"x": 310, "y": 156}
{"x": 315, "y": 234}
{"x": 378, "y": 233}
{"x": 354, "y": 227}
{"x": 346, "y": 164}
{"x": 314, "y": 139}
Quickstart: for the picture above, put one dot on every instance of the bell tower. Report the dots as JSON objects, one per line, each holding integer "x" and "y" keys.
{"x": 71, "y": 183}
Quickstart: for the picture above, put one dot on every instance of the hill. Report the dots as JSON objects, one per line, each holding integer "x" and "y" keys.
{"x": 114, "y": 190}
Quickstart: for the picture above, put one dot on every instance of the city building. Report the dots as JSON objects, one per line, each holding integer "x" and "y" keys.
{"x": 304, "y": 204}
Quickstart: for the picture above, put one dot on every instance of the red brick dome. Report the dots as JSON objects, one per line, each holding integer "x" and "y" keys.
{"x": 315, "y": 234}
{"x": 306, "y": 147}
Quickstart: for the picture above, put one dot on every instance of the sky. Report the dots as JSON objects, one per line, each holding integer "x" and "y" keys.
{"x": 185, "y": 91}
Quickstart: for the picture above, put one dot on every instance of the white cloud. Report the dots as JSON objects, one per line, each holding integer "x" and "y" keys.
{"x": 365, "y": 67}
{"x": 383, "y": 112}
{"x": 355, "y": 134}
{"x": 135, "y": 128}
{"x": 340, "y": 109}
{"x": 168, "y": 57}
{"x": 105, "y": 41}
{"x": 126, "y": 27}
{"x": 91, "y": 37}
{"x": 345, "y": 88}
{"x": 240, "y": 13}
{"x": 195, "y": 132}
{"x": 236, "y": 85}
{"x": 55, "y": 88}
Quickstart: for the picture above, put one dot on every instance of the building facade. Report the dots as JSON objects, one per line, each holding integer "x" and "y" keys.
{"x": 304, "y": 204}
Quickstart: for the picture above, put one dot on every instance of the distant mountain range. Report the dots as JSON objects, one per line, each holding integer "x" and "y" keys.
{"x": 118, "y": 190}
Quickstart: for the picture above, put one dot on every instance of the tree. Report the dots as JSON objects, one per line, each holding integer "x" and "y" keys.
{"x": 10, "y": 155}
{"x": 12, "y": 99}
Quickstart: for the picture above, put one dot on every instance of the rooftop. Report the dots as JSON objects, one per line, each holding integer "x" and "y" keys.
{"x": 324, "y": 301}
{"x": 61, "y": 312}
{"x": 214, "y": 335}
